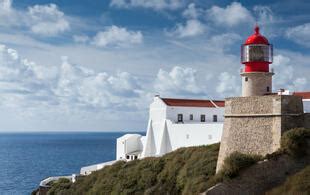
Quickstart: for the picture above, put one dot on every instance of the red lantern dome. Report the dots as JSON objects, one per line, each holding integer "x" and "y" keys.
{"x": 256, "y": 53}
{"x": 256, "y": 38}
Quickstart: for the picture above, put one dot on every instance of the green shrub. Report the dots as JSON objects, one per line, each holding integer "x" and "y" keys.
{"x": 295, "y": 142}
{"x": 59, "y": 186}
{"x": 184, "y": 171}
{"x": 237, "y": 161}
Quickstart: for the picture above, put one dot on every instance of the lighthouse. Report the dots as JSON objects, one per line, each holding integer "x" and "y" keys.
{"x": 256, "y": 55}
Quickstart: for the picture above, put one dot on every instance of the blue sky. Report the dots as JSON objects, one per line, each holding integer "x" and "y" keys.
{"x": 95, "y": 65}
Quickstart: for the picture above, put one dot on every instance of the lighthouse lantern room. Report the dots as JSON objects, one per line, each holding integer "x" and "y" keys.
{"x": 256, "y": 55}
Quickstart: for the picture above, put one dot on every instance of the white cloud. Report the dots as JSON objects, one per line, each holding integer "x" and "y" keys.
{"x": 232, "y": 15}
{"x": 5, "y": 6}
{"x": 228, "y": 85}
{"x": 117, "y": 36}
{"x": 268, "y": 21}
{"x": 47, "y": 20}
{"x": 8, "y": 15}
{"x": 285, "y": 75}
{"x": 223, "y": 42}
{"x": 179, "y": 81}
{"x": 78, "y": 98}
{"x": 191, "y": 28}
{"x": 192, "y": 11}
{"x": 300, "y": 34}
{"x": 264, "y": 14}
{"x": 24, "y": 84}
{"x": 152, "y": 4}
{"x": 96, "y": 90}
{"x": 81, "y": 38}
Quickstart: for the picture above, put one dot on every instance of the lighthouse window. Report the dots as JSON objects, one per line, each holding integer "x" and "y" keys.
{"x": 246, "y": 79}
{"x": 203, "y": 118}
{"x": 258, "y": 53}
{"x": 214, "y": 118}
{"x": 191, "y": 117}
{"x": 268, "y": 89}
{"x": 180, "y": 117}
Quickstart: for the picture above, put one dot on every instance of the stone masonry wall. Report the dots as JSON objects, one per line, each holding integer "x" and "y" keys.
{"x": 307, "y": 120}
{"x": 256, "y": 83}
{"x": 254, "y": 125}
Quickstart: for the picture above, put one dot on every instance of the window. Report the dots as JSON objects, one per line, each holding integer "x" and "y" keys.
{"x": 214, "y": 118}
{"x": 191, "y": 117}
{"x": 246, "y": 79}
{"x": 180, "y": 117}
{"x": 203, "y": 118}
{"x": 127, "y": 157}
{"x": 256, "y": 53}
{"x": 136, "y": 157}
{"x": 268, "y": 89}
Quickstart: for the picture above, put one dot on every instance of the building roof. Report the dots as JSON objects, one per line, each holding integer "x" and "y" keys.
{"x": 193, "y": 103}
{"x": 304, "y": 95}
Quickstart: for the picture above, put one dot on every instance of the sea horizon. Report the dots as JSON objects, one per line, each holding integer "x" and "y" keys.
{"x": 29, "y": 157}
{"x": 73, "y": 131}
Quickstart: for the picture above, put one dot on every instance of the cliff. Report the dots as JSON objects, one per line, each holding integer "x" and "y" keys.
{"x": 192, "y": 171}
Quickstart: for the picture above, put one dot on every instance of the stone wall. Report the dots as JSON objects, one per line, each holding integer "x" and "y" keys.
{"x": 254, "y": 125}
{"x": 307, "y": 120}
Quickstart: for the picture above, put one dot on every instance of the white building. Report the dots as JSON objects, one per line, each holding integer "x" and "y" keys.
{"x": 172, "y": 124}
{"x": 306, "y": 100}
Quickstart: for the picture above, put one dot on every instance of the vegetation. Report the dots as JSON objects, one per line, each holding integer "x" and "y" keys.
{"x": 59, "y": 186}
{"x": 232, "y": 166}
{"x": 237, "y": 161}
{"x": 184, "y": 171}
{"x": 295, "y": 142}
{"x": 296, "y": 184}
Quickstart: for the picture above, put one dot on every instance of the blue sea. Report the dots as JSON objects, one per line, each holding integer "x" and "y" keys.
{"x": 28, "y": 158}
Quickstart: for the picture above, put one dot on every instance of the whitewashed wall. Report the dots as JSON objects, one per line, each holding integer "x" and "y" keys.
{"x": 157, "y": 115}
{"x": 184, "y": 135}
{"x": 127, "y": 144}
{"x": 306, "y": 105}
{"x": 191, "y": 132}
{"x": 172, "y": 113}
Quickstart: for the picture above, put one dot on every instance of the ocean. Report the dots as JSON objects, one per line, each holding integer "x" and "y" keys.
{"x": 28, "y": 158}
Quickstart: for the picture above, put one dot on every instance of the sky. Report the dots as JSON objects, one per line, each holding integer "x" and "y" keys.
{"x": 95, "y": 65}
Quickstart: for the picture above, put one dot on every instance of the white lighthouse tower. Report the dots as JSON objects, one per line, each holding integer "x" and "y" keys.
{"x": 256, "y": 55}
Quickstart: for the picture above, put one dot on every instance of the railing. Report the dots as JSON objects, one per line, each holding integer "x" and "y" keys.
{"x": 196, "y": 122}
{"x": 89, "y": 169}
{"x": 271, "y": 70}
{"x": 44, "y": 182}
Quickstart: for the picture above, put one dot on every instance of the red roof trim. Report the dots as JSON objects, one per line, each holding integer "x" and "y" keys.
{"x": 193, "y": 103}
{"x": 304, "y": 95}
